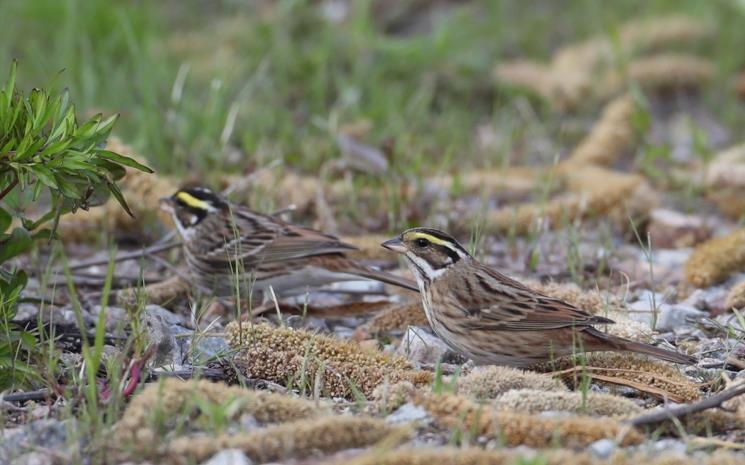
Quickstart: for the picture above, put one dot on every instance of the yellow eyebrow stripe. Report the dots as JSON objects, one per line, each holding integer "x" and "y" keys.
{"x": 429, "y": 237}
{"x": 192, "y": 201}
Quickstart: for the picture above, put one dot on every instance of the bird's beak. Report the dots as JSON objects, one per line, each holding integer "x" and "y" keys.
{"x": 395, "y": 245}
{"x": 167, "y": 204}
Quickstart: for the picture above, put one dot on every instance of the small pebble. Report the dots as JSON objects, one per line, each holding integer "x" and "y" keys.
{"x": 408, "y": 413}
{"x": 229, "y": 457}
{"x": 602, "y": 448}
{"x": 422, "y": 347}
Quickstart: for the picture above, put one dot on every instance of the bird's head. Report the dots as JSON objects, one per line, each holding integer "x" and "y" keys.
{"x": 428, "y": 252}
{"x": 190, "y": 206}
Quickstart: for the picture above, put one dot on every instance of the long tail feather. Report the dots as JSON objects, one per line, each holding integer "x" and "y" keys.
{"x": 604, "y": 341}
{"x": 658, "y": 352}
{"x": 387, "y": 278}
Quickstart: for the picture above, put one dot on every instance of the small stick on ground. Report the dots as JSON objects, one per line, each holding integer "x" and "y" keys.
{"x": 215, "y": 374}
{"x": 669, "y": 413}
{"x": 20, "y": 397}
{"x": 120, "y": 257}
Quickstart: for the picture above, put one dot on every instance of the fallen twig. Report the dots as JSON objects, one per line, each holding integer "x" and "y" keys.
{"x": 120, "y": 257}
{"x": 207, "y": 373}
{"x": 669, "y": 413}
{"x": 20, "y": 397}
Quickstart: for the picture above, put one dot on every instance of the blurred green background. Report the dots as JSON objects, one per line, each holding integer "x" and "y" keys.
{"x": 227, "y": 85}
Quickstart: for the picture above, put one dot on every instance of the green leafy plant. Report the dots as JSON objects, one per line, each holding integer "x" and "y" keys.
{"x": 49, "y": 165}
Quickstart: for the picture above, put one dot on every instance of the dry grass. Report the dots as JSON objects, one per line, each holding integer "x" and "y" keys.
{"x": 712, "y": 261}
{"x": 489, "y": 382}
{"x": 599, "y": 68}
{"x": 289, "y": 440}
{"x": 316, "y": 363}
{"x": 647, "y": 375}
{"x": 478, "y": 456}
{"x": 592, "y": 403}
{"x": 513, "y": 429}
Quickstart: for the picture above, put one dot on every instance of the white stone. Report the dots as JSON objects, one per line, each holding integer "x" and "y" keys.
{"x": 422, "y": 347}
{"x": 229, "y": 457}
{"x": 407, "y": 413}
{"x": 602, "y": 448}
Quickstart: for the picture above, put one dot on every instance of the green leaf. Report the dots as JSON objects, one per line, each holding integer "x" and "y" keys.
{"x": 120, "y": 198}
{"x": 31, "y": 225}
{"x": 46, "y": 234}
{"x": 5, "y": 220}
{"x": 44, "y": 175}
{"x": 17, "y": 243}
{"x": 74, "y": 165}
{"x": 7, "y": 147}
{"x": 27, "y": 340}
{"x": 38, "y": 187}
{"x": 68, "y": 189}
{"x": 123, "y": 160}
{"x": 116, "y": 171}
{"x": 54, "y": 148}
{"x": 10, "y": 84}
{"x": 39, "y": 104}
{"x": 62, "y": 127}
{"x": 88, "y": 128}
{"x": 18, "y": 281}
{"x": 107, "y": 124}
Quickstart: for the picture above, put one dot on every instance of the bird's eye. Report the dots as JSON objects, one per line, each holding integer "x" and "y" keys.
{"x": 422, "y": 242}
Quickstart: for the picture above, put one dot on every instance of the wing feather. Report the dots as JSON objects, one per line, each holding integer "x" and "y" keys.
{"x": 265, "y": 239}
{"x": 507, "y": 304}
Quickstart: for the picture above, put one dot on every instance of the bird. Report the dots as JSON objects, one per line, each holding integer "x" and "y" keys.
{"x": 229, "y": 248}
{"x": 496, "y": 320}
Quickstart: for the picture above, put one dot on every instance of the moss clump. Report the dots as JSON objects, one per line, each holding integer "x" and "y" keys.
{"x": 725, "y": 181}
{"x": 518, "y": 181}
{"x": 736, "y": 404}
{"x": 647, "y": 375}
{"x": 305, "y": 427}
{"x": 707, "y": 423}
{"x": 302, "y": 342}
{"x": 490, "y": 381}
{"x": 660, "y": 32}
{"x": 315, "y": 362}
{"x": 591, "y": 403}
{"x": 453, "y": 411}
{"x": 611, "y": 192}
{"x": 478, "y": 456}
{"x": 278, "y": 188}
{"x": 610, "y": 137}
{"x": 395, "y": 317}
{"x": 302, "y": 438}
{"x": 663, "y": 71}
{"x": 390, "y": 396}
{"x": 601, "y": 66}
{"x": 727, "y": 168}
{"x": 155, "y": 411}
{"x": 736, "y": 296}
{"x": 591, "y": 191}
{"x": 526, "y": 74}
{"x": 712, "y": 261}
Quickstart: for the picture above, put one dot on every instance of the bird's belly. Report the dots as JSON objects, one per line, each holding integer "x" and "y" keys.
{"x": 507, "y": 348}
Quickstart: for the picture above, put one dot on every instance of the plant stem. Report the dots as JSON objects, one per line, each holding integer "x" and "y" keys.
{"x": 10, "y": 187}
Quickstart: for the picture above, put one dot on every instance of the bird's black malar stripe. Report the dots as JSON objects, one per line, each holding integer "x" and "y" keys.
{"x": 424, "y": 275}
